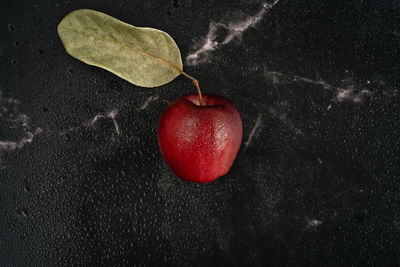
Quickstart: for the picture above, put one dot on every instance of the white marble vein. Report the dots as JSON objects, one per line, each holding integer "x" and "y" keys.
{"x": 110, "y": 115}
{"x": 281, "y": 116}
{"x": 17, "y": 124}
{"x": 235, "y": 29}
{"x": 348, "y": 89}
{"x": 253, "y": 131}
{"x": 147, "y": 102}
{"x": 12, "y": 145}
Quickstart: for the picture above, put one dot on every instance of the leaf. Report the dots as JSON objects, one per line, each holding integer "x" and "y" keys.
{"x": 143, "y": 56}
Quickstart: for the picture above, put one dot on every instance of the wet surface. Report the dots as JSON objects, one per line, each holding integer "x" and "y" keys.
{"x": 316, "y": 181}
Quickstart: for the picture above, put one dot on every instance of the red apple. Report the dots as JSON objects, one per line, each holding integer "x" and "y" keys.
{"x": 200, "y": 142}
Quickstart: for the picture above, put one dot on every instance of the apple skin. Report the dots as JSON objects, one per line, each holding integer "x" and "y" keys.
{"x": 200, "y": 143}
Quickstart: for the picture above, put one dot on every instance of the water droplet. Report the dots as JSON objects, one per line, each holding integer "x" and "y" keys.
{"x": 26, "y": 189}
{"x": 23, "y": 213}
{"x": 114, "y": 85}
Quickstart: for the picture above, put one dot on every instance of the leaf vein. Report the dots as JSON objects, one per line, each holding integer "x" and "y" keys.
{"x": 129, "y": 48}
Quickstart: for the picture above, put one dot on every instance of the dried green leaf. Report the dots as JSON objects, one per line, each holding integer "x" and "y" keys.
{"x": 143, "y": 56}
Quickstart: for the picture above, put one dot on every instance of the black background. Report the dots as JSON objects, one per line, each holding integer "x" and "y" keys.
{"x": 317, "y": 184}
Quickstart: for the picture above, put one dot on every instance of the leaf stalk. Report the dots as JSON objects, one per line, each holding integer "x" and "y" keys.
{"x": 196, "y": 84}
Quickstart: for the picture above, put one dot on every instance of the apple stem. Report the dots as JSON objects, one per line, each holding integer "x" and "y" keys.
{"x": 196, "y": 84}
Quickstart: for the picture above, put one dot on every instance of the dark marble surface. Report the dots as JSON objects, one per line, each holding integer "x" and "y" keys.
{"x": 316, "y": 181}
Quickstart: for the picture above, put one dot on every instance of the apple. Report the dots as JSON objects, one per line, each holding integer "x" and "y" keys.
{"x": 199, "y": 138}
